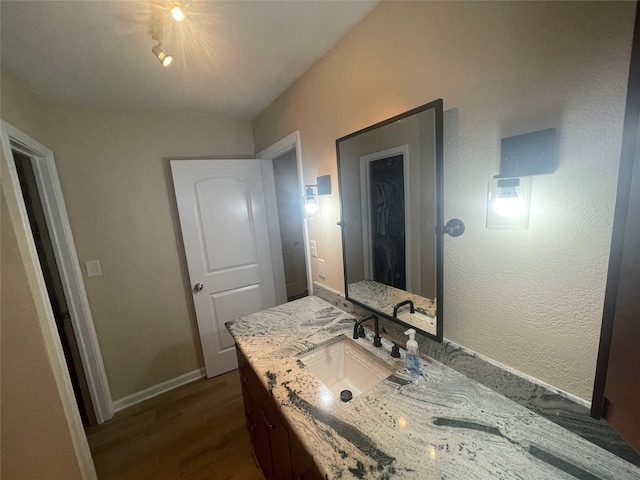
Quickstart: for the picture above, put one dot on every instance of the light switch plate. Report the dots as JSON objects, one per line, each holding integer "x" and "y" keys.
{"x": 312, "y": 247}
{"x": 93, "y": 268}
{"x": 321, "y": 268}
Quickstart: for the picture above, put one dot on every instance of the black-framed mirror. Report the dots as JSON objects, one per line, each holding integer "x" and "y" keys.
{"x": 391, "y": 189}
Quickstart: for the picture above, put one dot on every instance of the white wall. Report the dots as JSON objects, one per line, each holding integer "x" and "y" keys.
{"x": 42, "y": 434}
{"x": 117, "y": 186}
{"x": 530, "y": 299}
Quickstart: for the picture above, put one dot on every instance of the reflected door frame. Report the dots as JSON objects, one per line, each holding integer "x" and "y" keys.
{"x": 365, "y": 191}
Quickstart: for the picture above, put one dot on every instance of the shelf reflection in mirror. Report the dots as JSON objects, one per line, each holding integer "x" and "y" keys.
{"x": 390, "y": 178}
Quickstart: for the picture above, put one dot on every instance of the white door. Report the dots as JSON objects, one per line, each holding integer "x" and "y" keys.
{"x": 226, "y": 241}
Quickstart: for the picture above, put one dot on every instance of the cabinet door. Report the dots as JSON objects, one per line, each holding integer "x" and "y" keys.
{"x": 253, "y": 404}
{"x": 270, "y": 435}
{"x": 258, "y": 432}
{"x": 302, "y": 464}
{"x": 279, "y": 441}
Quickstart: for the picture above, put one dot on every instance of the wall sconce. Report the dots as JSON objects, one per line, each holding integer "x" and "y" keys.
{"x": 323, "y": 187}
{"x": 509, "y": 195}
{"x": 508, "y": 203}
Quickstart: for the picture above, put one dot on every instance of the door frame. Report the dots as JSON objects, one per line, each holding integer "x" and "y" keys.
{"x": 66, "y": 257}
{"x": 367, "y": 236}
{"x": 629, "y": 153}
{"x": 285, "y": 145}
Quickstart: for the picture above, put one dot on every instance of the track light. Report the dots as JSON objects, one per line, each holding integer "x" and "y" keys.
{"x": 177, "y": 12}
{"x": 157, "y": 15}
{"x": 164, "y": 59}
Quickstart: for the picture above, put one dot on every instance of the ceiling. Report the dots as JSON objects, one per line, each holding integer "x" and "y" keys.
{"x": 230, "y": 57}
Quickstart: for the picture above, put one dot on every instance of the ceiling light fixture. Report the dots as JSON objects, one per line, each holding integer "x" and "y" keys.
{"x": 177, "y": 12}
{"x": 156, "y": 27}
{"x": 165, "y": 59}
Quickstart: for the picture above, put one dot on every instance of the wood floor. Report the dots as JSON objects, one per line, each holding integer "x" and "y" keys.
{"x": 195, "y": 432}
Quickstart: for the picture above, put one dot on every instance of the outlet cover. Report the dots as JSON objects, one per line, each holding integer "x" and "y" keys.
{"x": 312, "y": 247}
{"x": 321, "y": 268}
{"x": 93, "y": 268}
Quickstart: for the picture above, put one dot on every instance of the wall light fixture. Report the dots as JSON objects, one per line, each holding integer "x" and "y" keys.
{"x": 310, "y": 203}
{"x": 508, "y": 203}
{"x": 509, "y": 194}
{"x": 323, "y": 187}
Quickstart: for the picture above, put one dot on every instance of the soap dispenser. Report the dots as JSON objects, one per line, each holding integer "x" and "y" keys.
{"x": 413, "y": 359}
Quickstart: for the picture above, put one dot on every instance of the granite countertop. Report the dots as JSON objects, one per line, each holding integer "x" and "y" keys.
{"x": 443, "y": 425}
{"x": 384, "y": 297}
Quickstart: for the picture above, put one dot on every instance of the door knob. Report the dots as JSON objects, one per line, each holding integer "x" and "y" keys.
{"x": 454, "y": 227}
{"x": 197, "y": 287}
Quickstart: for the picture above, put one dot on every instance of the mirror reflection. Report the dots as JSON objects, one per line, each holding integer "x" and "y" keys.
{"x": 390, "y": 192}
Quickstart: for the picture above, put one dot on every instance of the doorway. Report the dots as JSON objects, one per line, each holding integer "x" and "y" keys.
{"x": 53, "y": 282}
{"x": 386, "y": 189}
{"x": 386, "y": 227}
{"x": 288, "y": 198}
{"x": 287, "y": 150}
{"x": 44, "y": 181}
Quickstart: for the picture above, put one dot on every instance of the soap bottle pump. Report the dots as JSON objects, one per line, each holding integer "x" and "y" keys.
{"x": 413, "y": 359}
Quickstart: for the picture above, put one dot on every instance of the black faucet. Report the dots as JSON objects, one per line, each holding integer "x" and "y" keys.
{"x": 358, "y": 330}
{"x": 397, "y": 307}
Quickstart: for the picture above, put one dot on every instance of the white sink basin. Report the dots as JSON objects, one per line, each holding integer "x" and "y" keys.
{"x": 342, "y": 364}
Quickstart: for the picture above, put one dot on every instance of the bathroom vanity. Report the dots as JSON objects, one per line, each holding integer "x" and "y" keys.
{"x": 275, "y": 444}
{"x": 443, "y": 425}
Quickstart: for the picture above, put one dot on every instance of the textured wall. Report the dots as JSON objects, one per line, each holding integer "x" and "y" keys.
{"x": 530, "y": 299}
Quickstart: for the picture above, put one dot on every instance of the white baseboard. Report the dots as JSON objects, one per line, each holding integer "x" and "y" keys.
{"x": 159, "y": 389}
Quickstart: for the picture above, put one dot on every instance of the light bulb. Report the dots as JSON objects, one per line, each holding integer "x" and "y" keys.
{"x": 311, "y": 207}
{"x": 177, "y": 12}
{"x": 164, "y": 59}
{"x": 509, "y": 205}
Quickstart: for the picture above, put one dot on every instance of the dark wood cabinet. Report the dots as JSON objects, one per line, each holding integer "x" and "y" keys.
{"x": 277, "y": 449}
{"x": 302, "y": 464}
{"x": 257, "y": 430}
{"x": 278, "y": 442}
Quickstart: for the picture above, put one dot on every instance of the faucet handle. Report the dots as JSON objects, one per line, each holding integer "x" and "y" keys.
{"x": 361, "y": 331}
{"x": 395, "y": 350}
